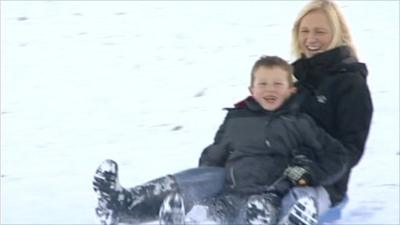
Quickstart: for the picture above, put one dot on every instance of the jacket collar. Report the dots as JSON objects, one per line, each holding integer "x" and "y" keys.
{"x": 335, "y": 60}
{"x": 290, "y": 105}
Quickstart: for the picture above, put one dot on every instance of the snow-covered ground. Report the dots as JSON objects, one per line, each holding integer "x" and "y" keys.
{"x": 144, "y": 83}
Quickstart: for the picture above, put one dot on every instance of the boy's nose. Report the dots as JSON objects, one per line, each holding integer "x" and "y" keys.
{"x": 269, "y": 88}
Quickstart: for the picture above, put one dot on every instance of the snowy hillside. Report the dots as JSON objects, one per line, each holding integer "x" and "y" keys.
{"x": 144, "y": 83}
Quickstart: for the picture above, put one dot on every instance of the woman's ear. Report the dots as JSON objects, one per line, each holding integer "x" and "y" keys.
{"x": 293, "y": 90}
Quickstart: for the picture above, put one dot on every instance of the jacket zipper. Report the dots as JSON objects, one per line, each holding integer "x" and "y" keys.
{"x": 231, "y": 173}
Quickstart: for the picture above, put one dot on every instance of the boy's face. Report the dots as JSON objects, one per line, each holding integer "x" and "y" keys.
{"x": 271, "y": 87}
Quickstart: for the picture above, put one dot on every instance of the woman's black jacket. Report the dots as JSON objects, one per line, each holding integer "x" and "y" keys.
{"x": 255, "y": 146}
{"x": 334, "y": 92}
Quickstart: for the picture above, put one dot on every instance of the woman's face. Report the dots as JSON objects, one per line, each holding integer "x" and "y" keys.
{"x": 315, "y": 34}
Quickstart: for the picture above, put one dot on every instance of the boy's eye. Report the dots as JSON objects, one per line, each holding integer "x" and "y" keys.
{"x": 278, "y": 83}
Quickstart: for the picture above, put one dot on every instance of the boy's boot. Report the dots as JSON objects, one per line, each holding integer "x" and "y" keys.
{"x": 263, "y": 209}
{"x": 109, "y": 191}
{"x": 303, "y": 212}
{"x": 172, "y": 210}
{"x": 224, "y": 209}
{"x": 138, "y": 204}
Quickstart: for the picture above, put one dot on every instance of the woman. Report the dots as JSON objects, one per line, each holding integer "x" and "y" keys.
{"x": 332, "y": 87}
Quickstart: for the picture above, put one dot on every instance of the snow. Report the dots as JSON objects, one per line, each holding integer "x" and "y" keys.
{"x": 144, "y": 83}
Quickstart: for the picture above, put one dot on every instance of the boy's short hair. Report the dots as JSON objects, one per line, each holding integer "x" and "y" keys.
{"x": 270, "y": 62}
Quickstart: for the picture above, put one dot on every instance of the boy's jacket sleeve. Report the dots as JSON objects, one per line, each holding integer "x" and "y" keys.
{"x": 216, "y": 153}
{"x": 328, "y": 154}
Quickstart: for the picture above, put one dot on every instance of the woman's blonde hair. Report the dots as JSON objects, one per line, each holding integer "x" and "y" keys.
{"x": 340, "y": 30}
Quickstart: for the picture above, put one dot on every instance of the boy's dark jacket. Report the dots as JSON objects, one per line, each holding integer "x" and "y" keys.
{"x": 334, "y": 92}
{"x": 255, "y": 146}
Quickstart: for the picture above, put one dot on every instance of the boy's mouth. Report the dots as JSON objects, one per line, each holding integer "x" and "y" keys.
{"x": 270, "y": 99}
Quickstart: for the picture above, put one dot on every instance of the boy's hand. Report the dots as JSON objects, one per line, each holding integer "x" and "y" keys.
{"x": 298, "y": 175}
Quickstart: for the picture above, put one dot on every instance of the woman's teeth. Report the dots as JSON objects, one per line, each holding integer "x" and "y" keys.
{"x": 313, "y": 48}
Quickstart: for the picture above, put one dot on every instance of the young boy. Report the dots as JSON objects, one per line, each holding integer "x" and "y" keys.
{"x": 264, "y": 146}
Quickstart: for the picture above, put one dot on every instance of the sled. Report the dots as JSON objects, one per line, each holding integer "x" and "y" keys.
{"x": 334, "y": 213}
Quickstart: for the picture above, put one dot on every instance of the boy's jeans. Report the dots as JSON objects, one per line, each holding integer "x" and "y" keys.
{"x": 201, "y": 183}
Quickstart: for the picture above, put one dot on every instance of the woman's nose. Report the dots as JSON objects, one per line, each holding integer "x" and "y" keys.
{"x": 311, "y": 38}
